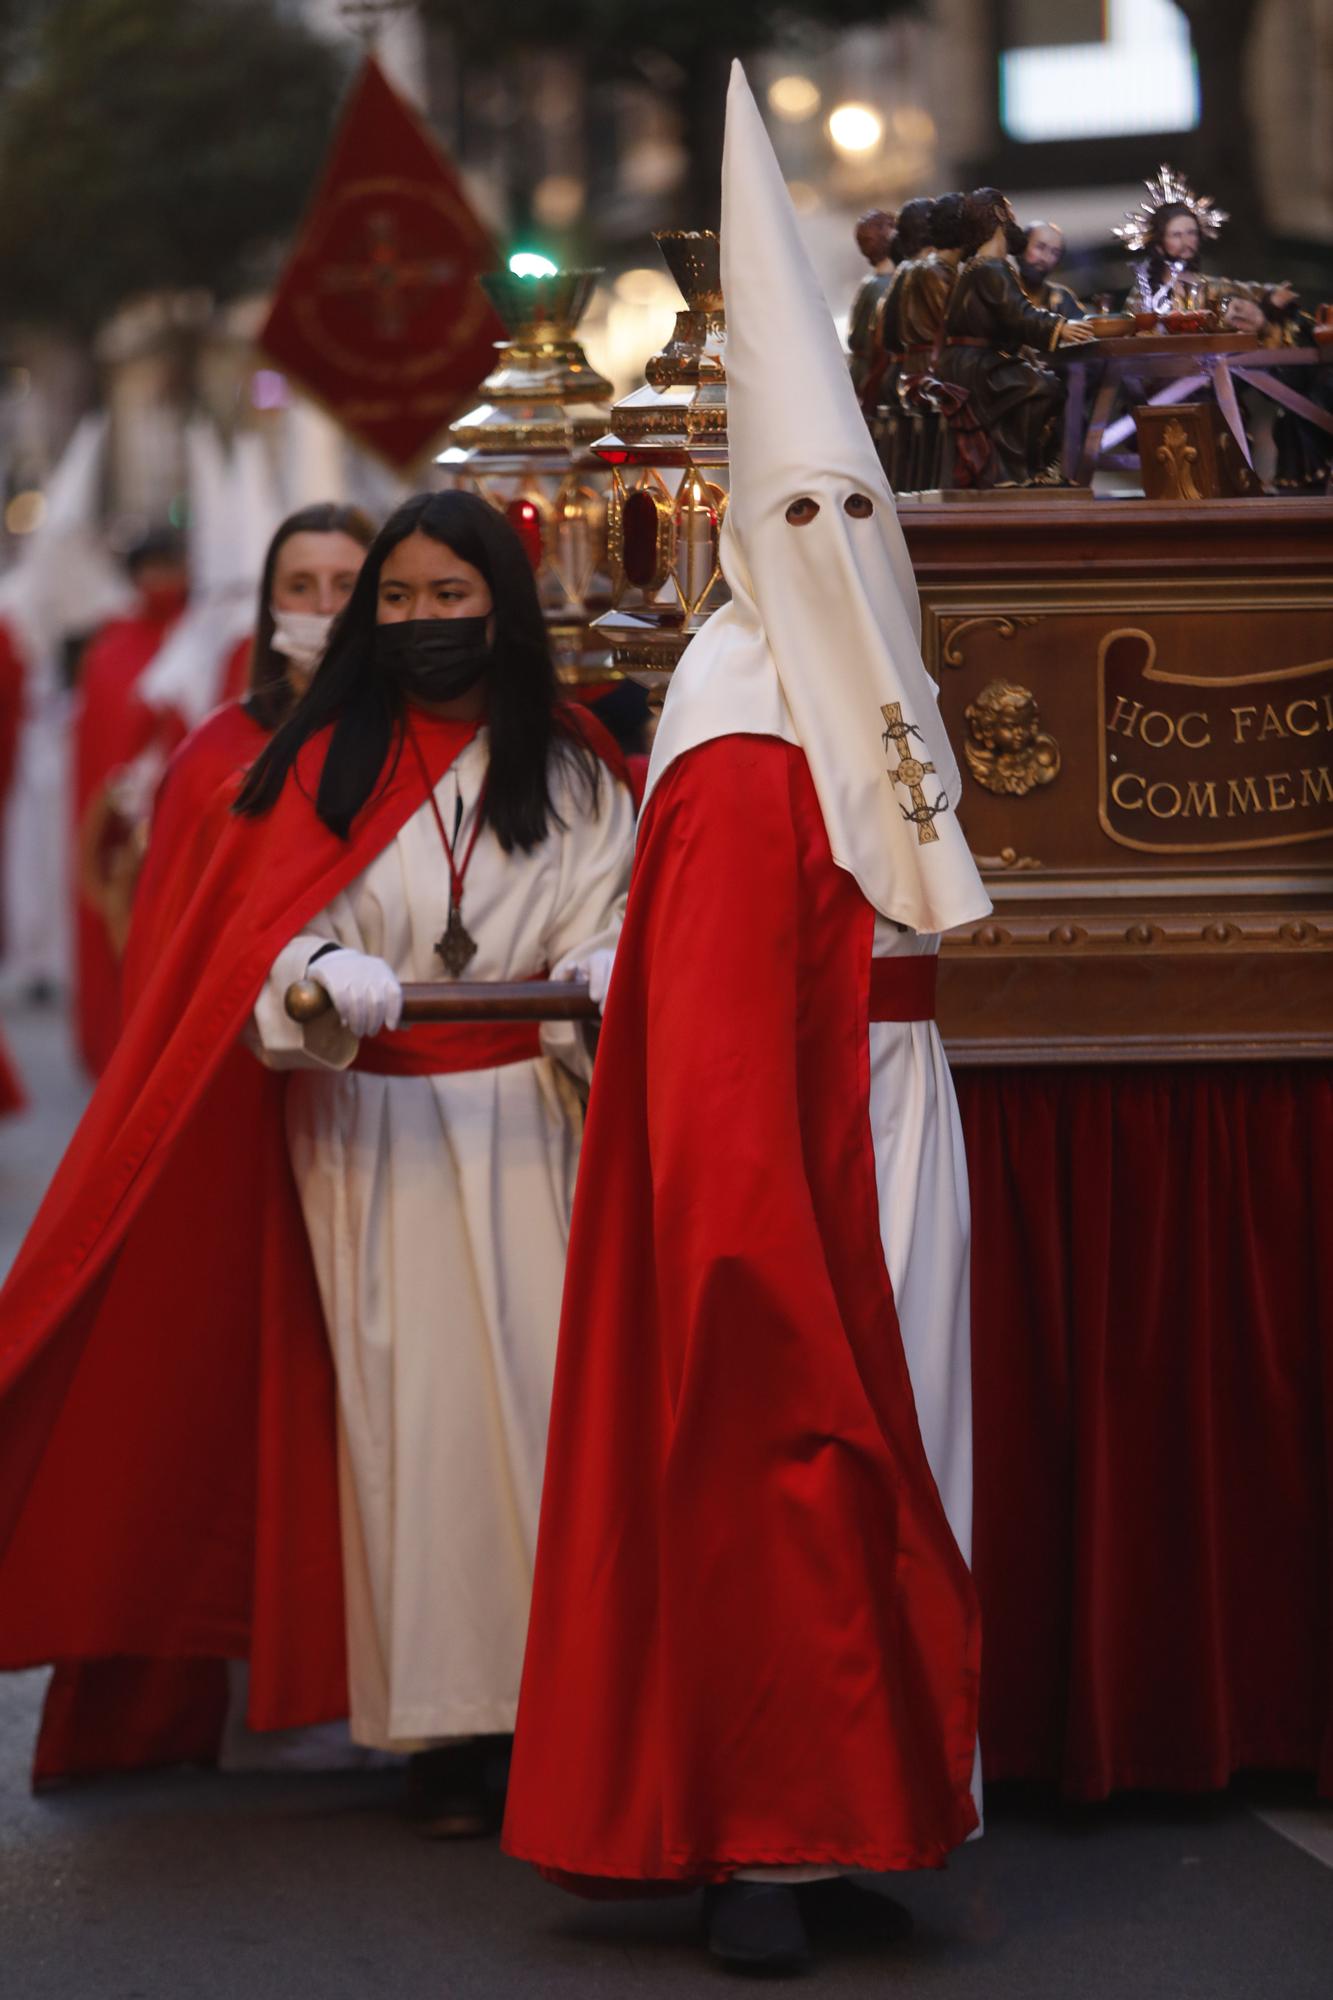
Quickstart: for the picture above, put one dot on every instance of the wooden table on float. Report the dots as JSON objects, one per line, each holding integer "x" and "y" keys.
{"x": 1185, "y": 362}
{"x": 1140, "y": 694}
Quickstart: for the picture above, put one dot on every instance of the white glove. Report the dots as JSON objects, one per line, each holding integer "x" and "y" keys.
{"x": 593, "y": 966}
{"x": 365, "y": 994}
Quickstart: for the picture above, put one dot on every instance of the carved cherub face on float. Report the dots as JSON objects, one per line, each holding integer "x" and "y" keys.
{"x": 820, "y": 643}
{"x": 1003, "y": 717}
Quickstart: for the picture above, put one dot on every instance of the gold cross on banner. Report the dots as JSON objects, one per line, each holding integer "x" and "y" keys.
{"x": 386, "y": 277}
{"x": 910, "y": 773}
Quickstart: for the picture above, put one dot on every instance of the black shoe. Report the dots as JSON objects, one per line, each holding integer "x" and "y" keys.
{"x": 756, "y": 1927}
{"x": 458, "y": 1791}
{"x": 842, "y": 1908}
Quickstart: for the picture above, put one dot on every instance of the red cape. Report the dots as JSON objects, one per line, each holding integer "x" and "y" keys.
{"x": 167, "y": 1472}
{"x": 12, "y": 681}
{"x": 189, "y": 816}
{"x": 753, "y": 1638}
{"x": 112, "y": 727}
{"x": 168, "y": 1495}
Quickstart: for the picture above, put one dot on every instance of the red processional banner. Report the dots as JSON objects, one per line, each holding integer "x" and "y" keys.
{"x": 379, "y": 315}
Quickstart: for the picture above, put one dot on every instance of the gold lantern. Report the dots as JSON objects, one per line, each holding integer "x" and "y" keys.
{"x": 667, "y": 449}
{"x": 525, "y": 449}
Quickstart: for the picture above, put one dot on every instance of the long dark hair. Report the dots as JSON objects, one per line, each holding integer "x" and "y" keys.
{"x": 271, "y": 696}
{"x": 365, "y": 708}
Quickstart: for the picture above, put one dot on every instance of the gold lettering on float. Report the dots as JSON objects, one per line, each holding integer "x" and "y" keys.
{"x": 1157, "y": 729}
{"x": 1164, "y": 789}
{"x": 1210, "y": 770}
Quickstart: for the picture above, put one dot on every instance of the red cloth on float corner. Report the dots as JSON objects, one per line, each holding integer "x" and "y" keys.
{"x": 149, "y": 1351}
{"x": 1153, "y": 1391}
{"x": 753, "y": 1638}
{"x": 112, "y": 727}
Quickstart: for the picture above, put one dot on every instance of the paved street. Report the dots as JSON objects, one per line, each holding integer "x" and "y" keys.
{"x": 192, "y": 1886}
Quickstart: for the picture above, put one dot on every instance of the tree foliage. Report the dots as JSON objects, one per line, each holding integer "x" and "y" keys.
{"x": 149, "y": 145}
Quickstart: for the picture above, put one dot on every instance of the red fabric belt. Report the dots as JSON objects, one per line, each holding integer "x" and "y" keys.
{"x": 444, "y": 1048}
{"x": 966, "y": 340}
{"x": 903, "y": 989}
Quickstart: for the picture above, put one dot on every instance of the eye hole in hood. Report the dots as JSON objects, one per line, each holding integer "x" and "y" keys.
{"x": 802, "y": 511}
{"x": 859, "y": 505}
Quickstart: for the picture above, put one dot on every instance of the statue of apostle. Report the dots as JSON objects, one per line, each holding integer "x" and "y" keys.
{"x": 874, "y": 239}
{"x": 1006, "y": 430}
{"x": 1040, "y": 257}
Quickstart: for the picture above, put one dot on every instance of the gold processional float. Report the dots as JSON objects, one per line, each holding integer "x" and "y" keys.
{"x": 1051, "y": 628}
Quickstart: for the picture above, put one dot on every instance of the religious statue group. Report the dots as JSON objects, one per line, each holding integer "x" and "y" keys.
{"x": 955, "y": 335}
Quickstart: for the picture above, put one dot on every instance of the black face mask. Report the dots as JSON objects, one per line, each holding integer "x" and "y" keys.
{"x": 433, "y": 659}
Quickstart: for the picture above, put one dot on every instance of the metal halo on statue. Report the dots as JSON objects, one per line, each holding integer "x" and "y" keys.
{"x": 1169, "y": 190}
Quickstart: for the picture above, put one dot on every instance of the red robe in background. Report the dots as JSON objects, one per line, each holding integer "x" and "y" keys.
{"x": 113, "y": 726}
{"x": 11, "y": 717}
{"x": 105, "y": 1714}
{"x": 189, "y": 816}
{"x": 236, "y": 670}
{"x": 753, "y": 1638}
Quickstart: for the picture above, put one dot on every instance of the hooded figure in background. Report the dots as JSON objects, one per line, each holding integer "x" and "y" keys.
{"x": 758, "y": 1486}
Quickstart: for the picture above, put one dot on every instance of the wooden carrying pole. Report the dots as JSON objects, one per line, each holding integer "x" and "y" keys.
{"x": 464, "y": 1000}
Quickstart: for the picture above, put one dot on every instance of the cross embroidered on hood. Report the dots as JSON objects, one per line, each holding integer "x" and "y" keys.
{"x": 821, "y": 642}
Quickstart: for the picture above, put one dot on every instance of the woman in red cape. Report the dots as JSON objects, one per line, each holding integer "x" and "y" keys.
{"x": 120, "y": 1712}
{"x": 168, "y": 1490}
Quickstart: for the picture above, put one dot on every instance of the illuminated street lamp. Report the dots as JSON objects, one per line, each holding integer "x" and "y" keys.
{"x": 794, "y": 98}
{"x": 855, "y": 129}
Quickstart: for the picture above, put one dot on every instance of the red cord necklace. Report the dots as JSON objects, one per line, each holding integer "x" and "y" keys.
{"x": 455, "y": 947}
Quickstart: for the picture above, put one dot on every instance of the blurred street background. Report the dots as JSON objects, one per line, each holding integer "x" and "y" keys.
{"x": 156, "y": 156}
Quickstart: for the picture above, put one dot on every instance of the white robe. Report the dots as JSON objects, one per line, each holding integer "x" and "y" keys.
{"x": 925, "y": 1222}
{"x": 438, "y": 1213}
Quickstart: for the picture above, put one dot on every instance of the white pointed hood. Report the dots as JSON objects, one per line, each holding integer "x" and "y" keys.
{"x": 234, "y": 511}
{"x": 822, "y": 635}
{"x": 63, "y": 580}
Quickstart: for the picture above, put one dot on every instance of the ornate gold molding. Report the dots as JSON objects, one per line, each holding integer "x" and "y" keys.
{"x": 1102, "y": 933}
{"x": 952, "y": 631}
{"x": 1178, "y": 459}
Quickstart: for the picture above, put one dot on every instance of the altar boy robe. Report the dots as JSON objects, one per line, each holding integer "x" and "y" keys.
{"x": 437, "y": 1207}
